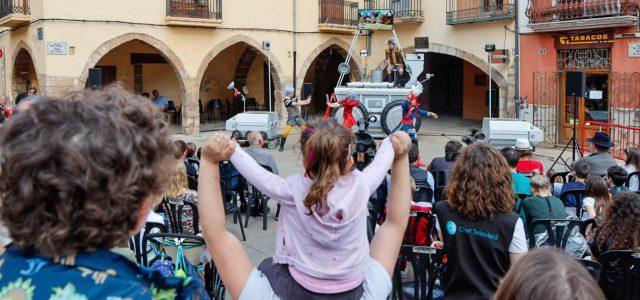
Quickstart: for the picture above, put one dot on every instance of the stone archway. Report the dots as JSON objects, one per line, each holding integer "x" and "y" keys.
{"x": 189, "y": 122}
{"x": 25, "y": 48}
{"x": 500, "y": 79}
{"x": 340, "y": 45}
{"x": 256, "y": 47}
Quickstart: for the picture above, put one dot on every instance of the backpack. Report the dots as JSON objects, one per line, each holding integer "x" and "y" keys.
{"x": 420, "y": 225}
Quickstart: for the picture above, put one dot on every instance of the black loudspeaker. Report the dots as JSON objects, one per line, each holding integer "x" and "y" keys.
{"x": 421, "y": 42}
{"x": 576, "y": 84}
{"x": 95, "y": 78}
{"x": 307, "y": 90}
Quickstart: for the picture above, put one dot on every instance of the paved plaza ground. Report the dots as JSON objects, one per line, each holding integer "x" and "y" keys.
{"x": 433, "y": 136}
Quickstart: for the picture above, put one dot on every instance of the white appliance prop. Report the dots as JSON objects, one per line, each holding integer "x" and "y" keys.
{"x": 502, "y": 133}
{"x": 264, "y": 122}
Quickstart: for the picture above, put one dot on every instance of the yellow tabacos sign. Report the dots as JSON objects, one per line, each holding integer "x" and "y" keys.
{"x": 584, "y": 39}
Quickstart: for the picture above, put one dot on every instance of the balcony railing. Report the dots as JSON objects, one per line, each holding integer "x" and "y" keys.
{"x": 405, "y": 11}
{"x": 338, "y": 12}
{"x": 569, "y": 10}
{"x": 203, "y": 10}
{"x": 470, "y": 11}
{"x": 14, "y": 12}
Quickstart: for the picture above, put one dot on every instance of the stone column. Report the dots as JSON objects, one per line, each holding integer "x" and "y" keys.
{"x": 190, "y": 108}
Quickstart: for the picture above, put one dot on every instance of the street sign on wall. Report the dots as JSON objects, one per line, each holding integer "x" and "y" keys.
{"x": 500, "y": 56}
{"x": 57, "y": 48}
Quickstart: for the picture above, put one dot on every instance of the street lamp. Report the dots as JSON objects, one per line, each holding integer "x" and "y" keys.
{"x": 266, "y": 45}
{"x": 490, "y": 48}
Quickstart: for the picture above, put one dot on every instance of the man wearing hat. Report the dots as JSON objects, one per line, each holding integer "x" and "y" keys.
{"x": 601, "y": 159}
{"x": 394, "y": 58}
{"x": 526, "y": 165}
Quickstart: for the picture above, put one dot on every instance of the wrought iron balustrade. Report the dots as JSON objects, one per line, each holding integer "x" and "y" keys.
{"x": 470, "y": 11}
{"x": 196, "y": 9}
{"x": 338, "y": 12}
{"x": 567, "y": 10}
{"x": 8, "y": 7}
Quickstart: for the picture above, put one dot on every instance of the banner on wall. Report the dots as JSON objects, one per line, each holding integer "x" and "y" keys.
{"x": 375, "y": 19}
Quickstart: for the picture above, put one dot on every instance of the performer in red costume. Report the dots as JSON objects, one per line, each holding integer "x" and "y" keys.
{"x": 348, "y": 104}
{"x": 410, "y": 111}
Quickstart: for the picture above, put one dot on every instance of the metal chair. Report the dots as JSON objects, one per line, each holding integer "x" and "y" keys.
{"x": 135, "y": 242}
{"x": 256, "y": 199}
{"x": 620, "y": 277}
{"x": 174, "y": 210}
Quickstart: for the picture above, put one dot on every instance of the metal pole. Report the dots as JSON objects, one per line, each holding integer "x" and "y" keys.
{"x": 490, "y": 86}
{"x": 516, "y": 59}
{"x": 349, "y": 54}
{"x": 269, "y": 76}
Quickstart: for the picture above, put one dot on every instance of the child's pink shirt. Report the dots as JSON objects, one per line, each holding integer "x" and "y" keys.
{"x": 327, "y": 251}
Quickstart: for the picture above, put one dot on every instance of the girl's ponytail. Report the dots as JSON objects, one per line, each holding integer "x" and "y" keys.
{"x": 325, "y": 150}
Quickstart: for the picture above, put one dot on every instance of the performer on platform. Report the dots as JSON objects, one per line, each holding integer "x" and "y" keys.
{"x": 410, "y": 111}
{"x": 348, "y": 103}
{"x": 294, "y": 118}
{"x": 394, "y": 59}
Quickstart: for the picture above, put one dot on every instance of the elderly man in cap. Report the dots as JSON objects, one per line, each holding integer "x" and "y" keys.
{"x": 601, "y": 159}
{"x": 262, "y": 157}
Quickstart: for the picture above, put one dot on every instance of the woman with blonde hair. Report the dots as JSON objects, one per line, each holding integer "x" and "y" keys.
{"x": 178, "y": 192}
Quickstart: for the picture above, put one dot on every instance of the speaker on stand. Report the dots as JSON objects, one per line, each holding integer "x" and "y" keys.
{"x": 575, "y": 87}
{"x": 94, "y": 81}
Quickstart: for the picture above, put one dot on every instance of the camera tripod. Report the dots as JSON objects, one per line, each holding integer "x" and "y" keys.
{"x": 573, "y": 142}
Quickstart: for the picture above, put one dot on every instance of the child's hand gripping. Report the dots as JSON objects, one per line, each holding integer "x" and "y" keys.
{"x": 401, "y": 143}
{"x": 219, "y": 148}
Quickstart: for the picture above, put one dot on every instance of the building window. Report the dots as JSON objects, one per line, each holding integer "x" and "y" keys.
{"x": 584, "y": 59}
{"x": 137, "y": 79}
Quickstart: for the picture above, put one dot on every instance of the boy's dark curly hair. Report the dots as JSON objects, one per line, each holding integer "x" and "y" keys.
{"x": 621, "y": 228}
{"x": 75, "y": 172}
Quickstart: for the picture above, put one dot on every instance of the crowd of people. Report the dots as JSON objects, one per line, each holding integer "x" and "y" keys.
{"x": 81, "y": 176}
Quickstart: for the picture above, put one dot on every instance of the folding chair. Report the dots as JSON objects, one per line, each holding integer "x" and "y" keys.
{"x": 174, "y": 210}
{"x": 620, "y": 277}
{"x": 135, "y": 242}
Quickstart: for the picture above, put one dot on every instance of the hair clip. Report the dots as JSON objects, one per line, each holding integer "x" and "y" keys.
{"x": 312, "y": 153}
